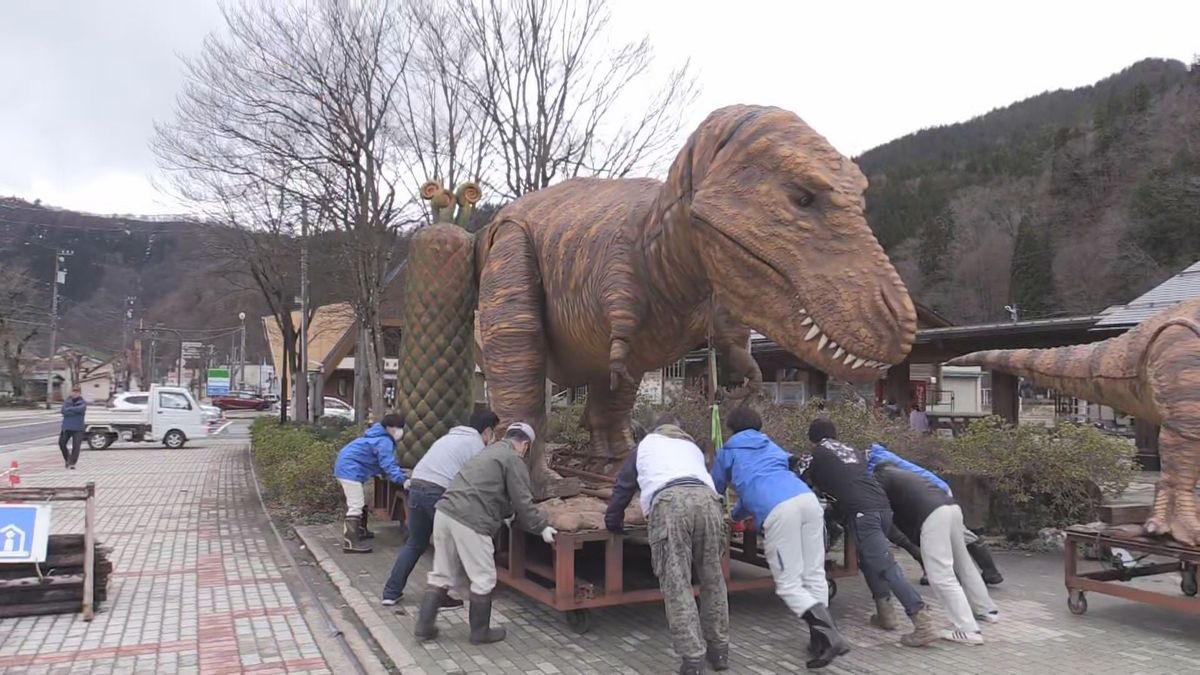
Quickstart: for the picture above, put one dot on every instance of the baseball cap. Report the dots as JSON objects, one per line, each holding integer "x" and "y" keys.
{"x": 523, "y": 428}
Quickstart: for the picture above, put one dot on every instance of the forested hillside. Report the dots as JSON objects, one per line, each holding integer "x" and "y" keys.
{"x": 1063, "y": 203}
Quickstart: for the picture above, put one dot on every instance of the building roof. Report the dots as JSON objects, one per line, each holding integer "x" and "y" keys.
{"x": 1178, "y": 288}
{"x": 1006, "y": 328}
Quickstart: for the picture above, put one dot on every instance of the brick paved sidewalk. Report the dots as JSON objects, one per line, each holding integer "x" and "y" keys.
{"x": 1036, "y": 635}
{"x": 195, "y": 587}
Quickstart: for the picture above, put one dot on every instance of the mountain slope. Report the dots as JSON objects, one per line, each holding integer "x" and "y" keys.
{"x": 1063, "y": 203}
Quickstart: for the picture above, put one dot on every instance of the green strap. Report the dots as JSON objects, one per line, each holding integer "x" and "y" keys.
{"x": 717, "y": 439}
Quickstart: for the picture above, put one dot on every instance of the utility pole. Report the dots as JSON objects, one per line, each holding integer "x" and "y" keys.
{"x": 152, "y": 375}
{"x": 302, "y": 376}
{"x": 242, "y": 354}
{"x": 129, "y": 301}
{"x": 60, "y": 277}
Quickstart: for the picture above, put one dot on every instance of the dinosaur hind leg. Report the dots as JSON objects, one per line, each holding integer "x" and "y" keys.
{"x": 514, "y": 346}
{"x": 1173, "y": 367}
{"x": 607, "y": 420}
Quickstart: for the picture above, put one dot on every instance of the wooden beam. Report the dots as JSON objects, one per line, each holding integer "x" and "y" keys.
{"x": 1006, "y": 400}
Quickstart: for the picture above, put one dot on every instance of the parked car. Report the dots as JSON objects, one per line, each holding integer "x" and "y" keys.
{"x": 336, "y": 407}
{"x": 273, "y": 399}
{"x": 131, "y": 401}
{"x": 137, "y": 401}
{"x": 241, "y": 400}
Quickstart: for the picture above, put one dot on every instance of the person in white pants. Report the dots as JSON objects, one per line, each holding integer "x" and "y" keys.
{"x": 792, "y": 521}
{"x": 930, "y": 517}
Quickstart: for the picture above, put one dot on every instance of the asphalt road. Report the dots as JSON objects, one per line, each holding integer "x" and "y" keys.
{"x": 15, "y": 430}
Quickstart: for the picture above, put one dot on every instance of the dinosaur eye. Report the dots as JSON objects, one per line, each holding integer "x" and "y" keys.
{"x": 804, "y": 199}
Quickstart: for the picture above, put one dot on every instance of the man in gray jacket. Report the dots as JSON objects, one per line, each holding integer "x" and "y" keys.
{"x": 490, "y": 486}
{"x": 430, "y": 478}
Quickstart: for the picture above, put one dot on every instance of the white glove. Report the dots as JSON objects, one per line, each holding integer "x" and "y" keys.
{"x": 548, "y": 535}
{"x": 508, "y": 522}
{"x": 407, "y": 484}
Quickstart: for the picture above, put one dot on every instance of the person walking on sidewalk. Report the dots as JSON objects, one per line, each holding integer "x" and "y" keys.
{"x": 976, "y": 546}
{"x": 864, "y": 506}
{"x": 792, "y": 520}
{"x": 372, "y": 454}
{"x": 686, "y": 523}
{"x": 931, "y": 518}
{"x": 74, "y": 408}
{"x": 430, "y": 478}
{"x": 486, "y": 490}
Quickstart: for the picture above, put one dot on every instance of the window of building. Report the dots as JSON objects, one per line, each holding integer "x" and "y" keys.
{"x": 675, "y": 371}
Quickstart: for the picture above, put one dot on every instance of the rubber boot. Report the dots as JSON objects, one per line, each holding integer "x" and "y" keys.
{"x": 718, "y": 656}
{"x": 885, "y": 615}
{"x": 363, "y": 532}
{"x": 480, "y": 617}
{"x": 692, "y": 667}
{"x": 832, "y": 644}
{"x": 923, "y": 631}
{"x": 426, "y": 627}
{"x": 987, "y": 567}
{"x": 350, "y": 539}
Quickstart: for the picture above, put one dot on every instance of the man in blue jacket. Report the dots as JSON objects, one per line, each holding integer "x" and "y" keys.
{"x": 792, "y": 520}
{"x": 975, "y": 546}
{"x": 73, "y": 410}
{"x": 372, "y": 454}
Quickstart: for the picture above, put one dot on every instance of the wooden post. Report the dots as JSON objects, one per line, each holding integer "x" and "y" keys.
{"x": 897, "y": 386}
{"x": 1005, "y": 400}
{"x": 89, "y": 552}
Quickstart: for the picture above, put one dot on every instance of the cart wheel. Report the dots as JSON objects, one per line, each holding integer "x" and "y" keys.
{"x": 579, "y": 620}
{"x": 832, "y": 589}
{"x": 1077, "y": 602}
{"x": 1187, "y": 581}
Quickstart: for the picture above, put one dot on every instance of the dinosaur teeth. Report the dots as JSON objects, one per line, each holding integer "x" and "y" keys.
{"x": 858, "y": 363}
{"x": 838, "y": 354}
{"x": 849, "y": 358}
{"x": 832, "y": 345}
{"x": 812, "y": 332}
{"x": 822, "y": 342}
{"x": 807, "y": 321}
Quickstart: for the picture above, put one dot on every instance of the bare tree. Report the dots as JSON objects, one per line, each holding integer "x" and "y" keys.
{"x": 540, "y": 74}
{"x": 302, "y": 99}
{"x": 21, "y": 319}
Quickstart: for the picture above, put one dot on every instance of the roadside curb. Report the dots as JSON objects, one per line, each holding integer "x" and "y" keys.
{"x": 360, "y": 605}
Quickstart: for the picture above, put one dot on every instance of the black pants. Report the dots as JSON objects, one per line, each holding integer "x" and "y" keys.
{"x": 76, "y": 438}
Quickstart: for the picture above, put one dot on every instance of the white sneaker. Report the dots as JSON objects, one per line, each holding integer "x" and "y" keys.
{"x": 963, "y": 638}
{"x": 991, "y": 617}
{"x": 389, "y": 602}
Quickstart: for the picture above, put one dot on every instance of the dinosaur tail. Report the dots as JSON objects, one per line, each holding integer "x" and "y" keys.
{"x": 1094, "y": 372}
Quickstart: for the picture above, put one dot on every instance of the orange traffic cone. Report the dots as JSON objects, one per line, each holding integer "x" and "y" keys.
{"x": 14, "y": 476}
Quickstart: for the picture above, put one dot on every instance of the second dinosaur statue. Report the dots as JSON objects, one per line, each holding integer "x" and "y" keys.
{"x": 1153, "y": 373}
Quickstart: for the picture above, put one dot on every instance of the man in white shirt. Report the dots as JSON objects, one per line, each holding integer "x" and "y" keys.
{"x": 685, "y": 517}
{"x": 430, "y": 478}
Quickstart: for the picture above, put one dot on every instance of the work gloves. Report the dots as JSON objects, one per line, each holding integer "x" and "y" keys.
{"x": 548, "y": 534}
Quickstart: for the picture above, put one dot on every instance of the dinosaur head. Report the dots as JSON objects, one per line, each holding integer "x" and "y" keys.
{"x": 777, "y": 220}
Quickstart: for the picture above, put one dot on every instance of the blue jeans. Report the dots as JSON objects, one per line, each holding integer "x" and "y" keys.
{"x": 422, "y": 498}
{"x": 881, "y": 571}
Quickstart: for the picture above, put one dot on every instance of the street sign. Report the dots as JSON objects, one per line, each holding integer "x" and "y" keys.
{"x": 218, "y": 382}
{"x": 192, "y": 350}
{"x": 24, "y": 529}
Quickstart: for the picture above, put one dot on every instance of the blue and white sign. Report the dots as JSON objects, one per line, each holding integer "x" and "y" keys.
{"x": 24, "y": 530}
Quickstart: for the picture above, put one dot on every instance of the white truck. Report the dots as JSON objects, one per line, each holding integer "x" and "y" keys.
{"x": 172, "y": 416}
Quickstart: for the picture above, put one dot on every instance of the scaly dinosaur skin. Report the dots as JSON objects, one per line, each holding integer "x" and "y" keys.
{"x": 759, "y": 223}
{"x": 1153, "y": 373}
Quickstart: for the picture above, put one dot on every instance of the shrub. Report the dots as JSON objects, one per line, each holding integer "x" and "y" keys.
{"x": 1043, "y": 477}
{"x": 295, "y": 465}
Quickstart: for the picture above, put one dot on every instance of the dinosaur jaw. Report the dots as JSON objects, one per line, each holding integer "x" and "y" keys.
{"x": 852, "y": 331}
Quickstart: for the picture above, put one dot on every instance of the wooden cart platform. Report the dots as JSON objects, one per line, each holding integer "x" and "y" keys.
{"x": 592, "y": 569}
{"x": 1169, "y": 557}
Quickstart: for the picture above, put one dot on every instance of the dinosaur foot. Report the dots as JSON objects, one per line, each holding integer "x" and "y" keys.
{"x": 548, "y": 484}
{"x": 1183, "y": 529}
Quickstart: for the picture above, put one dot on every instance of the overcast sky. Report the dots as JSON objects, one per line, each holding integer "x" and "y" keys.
{"x": 83, "y": 81}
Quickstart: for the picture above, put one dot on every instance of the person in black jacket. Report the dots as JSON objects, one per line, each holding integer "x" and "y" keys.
{"x": 932, "y": 519}
{"x": 863, "y": 505}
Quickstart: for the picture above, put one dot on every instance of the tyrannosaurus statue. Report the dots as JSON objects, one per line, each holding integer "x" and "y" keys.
{"x": 1153, "y": 373}
{"x": 759, "y": 224}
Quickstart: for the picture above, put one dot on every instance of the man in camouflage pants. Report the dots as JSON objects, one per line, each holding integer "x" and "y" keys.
{"x": 686, "y": 531}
